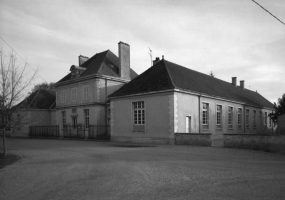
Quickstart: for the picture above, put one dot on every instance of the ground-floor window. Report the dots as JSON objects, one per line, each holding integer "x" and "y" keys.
{"x": 86, "y": 118}
{"x": 63, "y": 118}
{"x": 247, "y": 119}
{"x": 205, "y": 116}
{"x": 230, "y": 117}
{"x": 138, "y": 116}
{"x": 265, "y": 118}
{"x": 239, "y": 118}
{"x": 219, "y": 117}
{"x": 254, "y": 120}
{"x": 74, "y": 122}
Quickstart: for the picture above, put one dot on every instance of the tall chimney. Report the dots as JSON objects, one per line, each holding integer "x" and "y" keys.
{"x": 82, "y": 59}
{"x": 156, "y": 60}
{"x": 241, "y": 84}
{"x": 124, "y": 59}
{"x": 234, "y": 81}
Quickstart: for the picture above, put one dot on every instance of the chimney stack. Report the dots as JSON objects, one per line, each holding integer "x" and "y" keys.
{"x": 124, "y": 59}
{"x": 82, "y": 59}
{"x": 234, "y": 81}
{"x": 156, "y": 60}
{"x": 241, "y": 84}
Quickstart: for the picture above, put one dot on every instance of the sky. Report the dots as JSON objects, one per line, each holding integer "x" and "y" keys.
{"x": 228, "y": 37}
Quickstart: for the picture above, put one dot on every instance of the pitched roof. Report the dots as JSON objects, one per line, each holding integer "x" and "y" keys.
{"x": 41, "y": 99}
{"x": 167, "y": 75}
{"x": 104, "y": 63}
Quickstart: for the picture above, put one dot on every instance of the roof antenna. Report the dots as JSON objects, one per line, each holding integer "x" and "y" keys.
{"x": 150, "y": 54}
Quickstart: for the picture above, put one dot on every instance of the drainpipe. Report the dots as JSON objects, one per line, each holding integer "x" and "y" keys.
{"x": 244, "y": 118}
{"x": 106, "y": 107}
{"x": 199, "y": 107}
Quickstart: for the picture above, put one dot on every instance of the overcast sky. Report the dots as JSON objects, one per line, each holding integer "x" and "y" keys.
{"x": 229, "y": 37}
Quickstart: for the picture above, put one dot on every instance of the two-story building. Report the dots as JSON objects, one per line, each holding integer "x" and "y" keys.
{"x": 81, "y": 96}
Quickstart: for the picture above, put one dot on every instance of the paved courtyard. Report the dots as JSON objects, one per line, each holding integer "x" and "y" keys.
{"x": 70, "y": 169}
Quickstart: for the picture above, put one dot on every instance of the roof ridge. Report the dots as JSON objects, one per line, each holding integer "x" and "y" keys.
{"x": 169, "y": 73}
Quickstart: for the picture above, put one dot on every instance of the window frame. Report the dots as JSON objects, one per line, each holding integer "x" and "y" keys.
{"x": 265, "y": 119}
{"x": 138, "y": 116}
{"x": 219, "y": 116}
{"x": 86, "y": 118}
{"x": 254, "y": 119}
{"x": 63, "y": 96}
{"x": 205, "y": 126}
{"x": 239, "y": 118}
{"x": 230, "y": 117}
{"x": 86, "y": 92}
{"x": 247, "y": 118}
{"x": 73, "y": 94}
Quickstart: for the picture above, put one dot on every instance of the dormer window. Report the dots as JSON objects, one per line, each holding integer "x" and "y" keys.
{"x": 76, "y": 71}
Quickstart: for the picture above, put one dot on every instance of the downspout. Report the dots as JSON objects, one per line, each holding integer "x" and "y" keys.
{"x": 106, "y": 107}
{"x": 199, "y": 119}
{"x": 244, "y": 118}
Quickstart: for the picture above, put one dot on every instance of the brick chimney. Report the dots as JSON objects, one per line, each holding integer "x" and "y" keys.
{"x": 124, "y": 59}
{"x": 241, "y": 84}
{"x": 82, "y": 59}
{"x": 156, "y": 60}
{"x": 234, "y": 81}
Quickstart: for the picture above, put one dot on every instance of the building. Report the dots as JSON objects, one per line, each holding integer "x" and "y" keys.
{"x": 38, "y": 109}
{"x": 168, "y": 98}
{"x": 81, "y": 96}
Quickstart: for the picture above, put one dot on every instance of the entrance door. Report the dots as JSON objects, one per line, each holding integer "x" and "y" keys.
{"x": 188, "y": 124}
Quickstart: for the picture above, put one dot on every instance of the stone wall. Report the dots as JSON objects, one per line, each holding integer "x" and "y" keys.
{"x": 273, "y": 143}
{"x": 204, "y": 139}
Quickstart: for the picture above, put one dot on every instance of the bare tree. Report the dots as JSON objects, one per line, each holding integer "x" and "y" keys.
{"x": 15, "y": 81}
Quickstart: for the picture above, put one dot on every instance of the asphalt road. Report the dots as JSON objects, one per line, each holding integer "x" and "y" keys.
{"x": 69, "y": 169}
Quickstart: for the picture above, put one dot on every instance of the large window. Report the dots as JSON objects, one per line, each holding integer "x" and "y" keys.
{"x": 265, "y": 118}
{"x": 63, "y": 96}
{"x": 74, "y": 94}
{"x": 63, "y": 118}
{"x": 247, "y": 118}
{"x": 205, "y": 116}
{"x": 219, "y": 117}
{"x": 239, "y": 118}
{"x": 138, "y": 116}
{"x": 230, "y": 117}
{"x": 270, "y": 122}
{"x": 86, "y": 118}
{"x": 254, "y": 120}
{"x": 260, "y": 119}
{"x": 86, "y": 92}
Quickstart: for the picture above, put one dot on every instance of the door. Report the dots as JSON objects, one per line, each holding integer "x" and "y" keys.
{"x": 188, "y": 124}
{"x": 74, "y": 126}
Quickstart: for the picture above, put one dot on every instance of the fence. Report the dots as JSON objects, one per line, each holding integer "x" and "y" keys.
{"x": 92, "y": 132}
{"x": 44, "y": 131}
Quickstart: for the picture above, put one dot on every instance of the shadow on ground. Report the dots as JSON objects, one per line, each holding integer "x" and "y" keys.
{"x": 8, "y": 160}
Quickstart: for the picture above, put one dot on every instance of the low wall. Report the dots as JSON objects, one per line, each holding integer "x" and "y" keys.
{"x": 273, "y": 143}
{"x": 141, "y": 140}
{"x": 193, "y": 139}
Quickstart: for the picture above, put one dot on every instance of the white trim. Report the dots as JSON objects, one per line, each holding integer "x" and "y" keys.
{"x": 132, "y": 117}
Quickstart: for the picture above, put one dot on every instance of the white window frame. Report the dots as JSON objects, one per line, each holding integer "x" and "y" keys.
{"x": 247, "y": 118}
{"x": 63, "y": 96}
{"x": 86, "y": 92}
{"x": 73, "y": 94}
{"x": 230, "y": 117}
{"x": 138, "y": 113}
{"x": 239, "y": 118}
{"x": 205, "y": 121}
{"x": 219, "y": 116}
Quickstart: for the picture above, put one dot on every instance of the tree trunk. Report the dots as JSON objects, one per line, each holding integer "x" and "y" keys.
{"x": 4, "y": 143}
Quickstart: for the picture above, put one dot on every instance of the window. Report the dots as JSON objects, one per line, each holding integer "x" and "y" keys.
{"x": 63, "y": 96}
{"x": 230, "y": 117}
{"x": 86, "y": 92}
{"x": 86, "y": 118}
{"x": 108, "y": 116}
{"x": 265, "y": 118}
{"x": 270, "y": 122}
{"x": 138, "y": 116}
{"x": 260, "y": 118}
{"x": 254, "y": 120}
{"x": 74, "y": 94}
{"x": 74, "y": 122}
{"x": 239, "y": 118}
{"x": 63, "y": 118}
{"x": 247, "y": 119}
{"x": 219, "y": 117}
{"x": 205, "y": 116}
